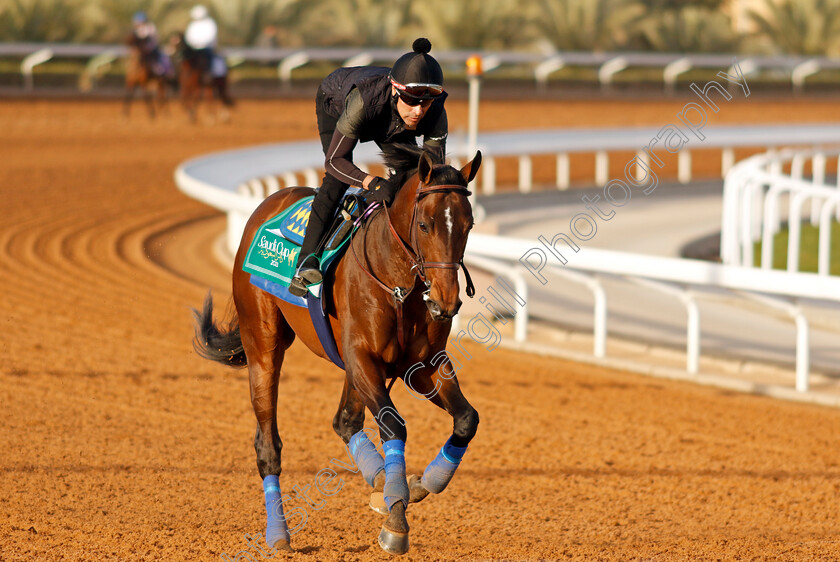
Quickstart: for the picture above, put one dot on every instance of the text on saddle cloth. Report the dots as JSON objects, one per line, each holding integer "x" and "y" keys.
{"x": 272, "y": 257}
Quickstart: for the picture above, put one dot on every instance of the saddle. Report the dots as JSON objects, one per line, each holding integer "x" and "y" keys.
{"x": 272, "y": 257}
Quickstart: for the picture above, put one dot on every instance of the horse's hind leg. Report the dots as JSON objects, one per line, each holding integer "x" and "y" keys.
{"x": 161, "y": 96}
{"x": 265, "y": 337}
{"x": 148, "y": 96}
{"x": 348, "y": 424}
{"x": 129, "y": 95}
{"x": 220, "y": 86}
{"x": 189, "y": 94}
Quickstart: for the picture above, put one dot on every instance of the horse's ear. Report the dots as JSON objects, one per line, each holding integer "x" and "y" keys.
{"x": 471, "y": 169}
{"x": 424, "y": 169}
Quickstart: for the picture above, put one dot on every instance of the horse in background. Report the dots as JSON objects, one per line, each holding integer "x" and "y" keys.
{"x": 390, "y": 305}
{"x": 197, "y": 82}
{"x": 147, "y": 71}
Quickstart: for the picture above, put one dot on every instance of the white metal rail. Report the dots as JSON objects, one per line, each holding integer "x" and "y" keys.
{"x": 606, "y": 65}
{"x": 237, "y": 181}
{"x": 754, "y": 193}
{"x": 778, "y": 289}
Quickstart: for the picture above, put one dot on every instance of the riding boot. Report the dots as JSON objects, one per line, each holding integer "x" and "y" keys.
{"x": 324, "y": 207}
{"x": 308, "y": 273}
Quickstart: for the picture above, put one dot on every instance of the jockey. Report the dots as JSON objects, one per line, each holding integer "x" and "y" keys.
{"x": 200, "y": 36}
{"x": 143, "y": 33}
{"x": 144, "y": 37}
{"x": 361, "y": 104}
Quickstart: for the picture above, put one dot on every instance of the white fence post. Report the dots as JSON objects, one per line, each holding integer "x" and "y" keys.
{"x": 672, "y": 70}
{"x": 488, "y": 175}
{"x": 602, "y": 168}
{"x": 727, "y": 160}
{"x": 599, "y": 306}
{"x": 293, "y": 61}
{"x": 684, "y": 166}
{"x": 30, "y": 62}
{"x": 525, "y": 174}
{"x": 563, "y": 171}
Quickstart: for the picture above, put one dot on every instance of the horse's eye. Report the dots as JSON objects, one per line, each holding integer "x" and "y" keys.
{"x": 423, "y": 227}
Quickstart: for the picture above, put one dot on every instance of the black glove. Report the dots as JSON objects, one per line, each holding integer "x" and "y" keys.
{"x": 380, "y": 190}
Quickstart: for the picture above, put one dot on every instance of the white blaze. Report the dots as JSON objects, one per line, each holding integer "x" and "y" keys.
{"x": 448, "y": 215}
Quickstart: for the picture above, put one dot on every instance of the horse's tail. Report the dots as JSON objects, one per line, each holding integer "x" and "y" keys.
{"x": 224, "y": 344}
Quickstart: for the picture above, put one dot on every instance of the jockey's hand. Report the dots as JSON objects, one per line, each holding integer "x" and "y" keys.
{"x": 380, "y": 191}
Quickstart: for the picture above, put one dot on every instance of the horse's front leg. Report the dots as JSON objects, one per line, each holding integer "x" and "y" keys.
{"x": 366, "y": 375}
{"x": 348, "y": 424}
{"x": 148, "y": 97}
{"x": 129, "y": 95}
{"x": 440, "y": 386}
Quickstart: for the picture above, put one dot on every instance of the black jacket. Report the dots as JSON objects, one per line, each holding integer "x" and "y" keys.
{"x": 382, "y": 123}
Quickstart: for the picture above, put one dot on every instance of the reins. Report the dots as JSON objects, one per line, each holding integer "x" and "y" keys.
{"x": 418, "y": 264}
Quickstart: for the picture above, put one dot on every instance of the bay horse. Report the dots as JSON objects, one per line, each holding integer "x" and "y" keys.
{"x": 390, "y": 308}
{"x": 196, "y": 82}
{"x": 141, "y": 73}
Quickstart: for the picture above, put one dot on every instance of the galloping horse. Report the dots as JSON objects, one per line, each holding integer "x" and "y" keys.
{"x": 196, "y": 82}
{"x": 141, "y": 72}
{"x": 390, "y": 309}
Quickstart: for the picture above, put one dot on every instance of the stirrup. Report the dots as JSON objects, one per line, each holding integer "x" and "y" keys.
{"x": 303, "y": 279}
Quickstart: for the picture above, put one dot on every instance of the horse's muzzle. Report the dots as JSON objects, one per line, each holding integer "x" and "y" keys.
{"x": 438, "y": 313}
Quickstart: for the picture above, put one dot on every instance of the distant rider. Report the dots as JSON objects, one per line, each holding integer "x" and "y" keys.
{"x": 144, "y": 38}
{"x": 201, "y": 36}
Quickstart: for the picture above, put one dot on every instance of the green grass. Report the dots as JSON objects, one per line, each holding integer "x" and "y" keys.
{"x": 808, "y": 249}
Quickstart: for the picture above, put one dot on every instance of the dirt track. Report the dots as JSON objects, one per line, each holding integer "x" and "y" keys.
{"x": 120, "y": 444}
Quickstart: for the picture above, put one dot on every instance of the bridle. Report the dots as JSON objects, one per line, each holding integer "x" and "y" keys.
{"x": 414, "y": 254}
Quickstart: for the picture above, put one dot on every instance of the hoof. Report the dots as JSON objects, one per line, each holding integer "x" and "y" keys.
{"x": 377, "y": 497}
{"x": 282, "y": 546}
{"x": 393, "y": 542}
{"x": 377, "y": 503}
{"x": 417, "y": 490}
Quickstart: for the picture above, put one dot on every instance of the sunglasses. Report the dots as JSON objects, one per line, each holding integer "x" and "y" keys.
{"x": 416, "y": 94}
{"x": 413, "y": 101}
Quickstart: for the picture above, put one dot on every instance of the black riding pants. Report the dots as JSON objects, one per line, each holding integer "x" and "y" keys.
{"x": 332, "y": 190}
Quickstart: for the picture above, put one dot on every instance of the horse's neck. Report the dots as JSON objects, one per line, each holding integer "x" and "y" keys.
{"x": 402, "y": 209}
{"x": 388, "y": 260}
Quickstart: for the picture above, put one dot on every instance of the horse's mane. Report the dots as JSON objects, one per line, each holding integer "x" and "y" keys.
{"x": 403, "y": 160}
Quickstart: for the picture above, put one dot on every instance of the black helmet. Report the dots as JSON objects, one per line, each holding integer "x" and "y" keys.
{"x": 417, "y": 75}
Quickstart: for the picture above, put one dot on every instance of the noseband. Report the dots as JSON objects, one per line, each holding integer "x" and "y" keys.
{"x": 415, "y": 256}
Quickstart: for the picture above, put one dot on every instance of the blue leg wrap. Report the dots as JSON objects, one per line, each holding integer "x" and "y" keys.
{"x": 441, "y": 470}
{"x": 396, "y": 485}
{"x": 366, "y": 456}
{"x": 276, "y": 528}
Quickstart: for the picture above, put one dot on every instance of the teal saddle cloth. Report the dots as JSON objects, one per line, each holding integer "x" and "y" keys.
{"x": 272, "y": 258}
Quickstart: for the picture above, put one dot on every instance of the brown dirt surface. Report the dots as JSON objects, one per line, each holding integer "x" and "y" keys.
{"x": 119, "y": 443}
